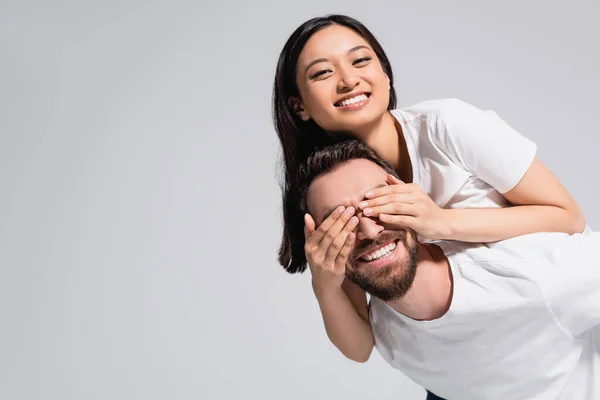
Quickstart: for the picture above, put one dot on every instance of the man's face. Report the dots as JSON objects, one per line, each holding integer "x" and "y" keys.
{"x": 383, "y": 261}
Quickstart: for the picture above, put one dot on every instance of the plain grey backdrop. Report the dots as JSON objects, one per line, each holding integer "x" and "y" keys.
{"x": 139, "y": 206}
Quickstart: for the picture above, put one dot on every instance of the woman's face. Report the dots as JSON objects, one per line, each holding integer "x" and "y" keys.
{"x": 342, "y": 85}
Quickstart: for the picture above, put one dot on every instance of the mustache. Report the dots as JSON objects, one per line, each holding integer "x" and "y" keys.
{"x": 369, "y": 246}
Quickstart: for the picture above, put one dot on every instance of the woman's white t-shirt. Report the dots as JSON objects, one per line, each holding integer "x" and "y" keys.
{"x": 463, "y": 157}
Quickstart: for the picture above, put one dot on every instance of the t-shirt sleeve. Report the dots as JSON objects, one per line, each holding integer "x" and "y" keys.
{"x": 483, "y": 144}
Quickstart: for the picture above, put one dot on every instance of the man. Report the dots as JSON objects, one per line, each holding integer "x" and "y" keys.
{"x": 516, "y": 320}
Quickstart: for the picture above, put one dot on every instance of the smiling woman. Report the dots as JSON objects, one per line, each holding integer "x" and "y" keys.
{"x": 320, "y": 98}
{"x": 459, "y": 167}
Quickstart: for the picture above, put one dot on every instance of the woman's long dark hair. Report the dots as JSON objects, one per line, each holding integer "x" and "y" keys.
{"x": 299, "y": 138}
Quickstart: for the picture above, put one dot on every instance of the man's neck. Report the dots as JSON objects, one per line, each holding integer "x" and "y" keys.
{"x": 430, "y": 296}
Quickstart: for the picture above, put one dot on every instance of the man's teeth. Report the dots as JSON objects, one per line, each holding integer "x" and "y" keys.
{"x": 381, "y": 253}
{"x": 357, "y": 99}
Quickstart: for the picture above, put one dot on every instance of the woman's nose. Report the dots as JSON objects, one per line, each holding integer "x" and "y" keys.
{"x": 348, "y": 79}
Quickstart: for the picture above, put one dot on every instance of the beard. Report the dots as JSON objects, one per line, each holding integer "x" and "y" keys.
{"x": 394, "y": 280}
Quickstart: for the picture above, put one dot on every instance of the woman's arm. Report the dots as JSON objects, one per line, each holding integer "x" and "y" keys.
{"x": 342, "y": 303}
{"x": 540, "y": 204}
{"x": 346, "y": 320}
{"x": 492, "y": 151}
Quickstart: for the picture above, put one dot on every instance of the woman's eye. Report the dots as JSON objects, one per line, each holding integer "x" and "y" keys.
{"x": 319, "y": 73}
{"x": 362, "y": 60}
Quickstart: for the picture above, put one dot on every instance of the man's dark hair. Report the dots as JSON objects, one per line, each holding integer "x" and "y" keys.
{"x": 320, "y": 162}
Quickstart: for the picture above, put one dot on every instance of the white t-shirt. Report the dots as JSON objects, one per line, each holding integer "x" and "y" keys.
{"x": 510, "y": 333}
{"x": 461, "y": 156}
{"x": 524, "y": 323}
{"x": 464, "y": 157}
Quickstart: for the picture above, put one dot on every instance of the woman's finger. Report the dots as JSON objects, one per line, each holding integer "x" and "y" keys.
{"x": 409, "y": 198}
{"x": 392, "y": 209}
{"x": 338, "y": 242}
{"x": 309, "y": 226}
{"x": 392, "y": 180}
{"x": 322, "y": 230}
{"x": 381, "y": 191}
{"x": 335, "y": 230}
{"x": 403, "y": 221}
{"x": 342, "y": 258}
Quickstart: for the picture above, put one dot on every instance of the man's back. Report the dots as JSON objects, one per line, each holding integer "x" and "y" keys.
{"x": 520, "y": 326}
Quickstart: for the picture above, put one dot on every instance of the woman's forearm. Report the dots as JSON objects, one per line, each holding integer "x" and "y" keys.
{"x": 494, "y": 224}
{"x": 346, "y": 329}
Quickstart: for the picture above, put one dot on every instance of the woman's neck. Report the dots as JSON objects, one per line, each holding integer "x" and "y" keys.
{"x": 387, "y": 139}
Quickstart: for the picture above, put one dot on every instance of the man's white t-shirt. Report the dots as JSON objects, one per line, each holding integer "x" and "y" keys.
{"x": 464, "y": 157}
{"x": 524, "y": 323}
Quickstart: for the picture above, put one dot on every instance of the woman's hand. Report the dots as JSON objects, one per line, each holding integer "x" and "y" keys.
{"x": 403, "y": 205}
{"x": 327, "y": 248}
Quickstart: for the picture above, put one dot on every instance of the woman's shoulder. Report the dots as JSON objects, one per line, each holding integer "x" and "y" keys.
{"x": 434, "y": 108}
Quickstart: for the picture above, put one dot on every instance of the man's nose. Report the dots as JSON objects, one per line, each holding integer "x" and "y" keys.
{"x": 368, "y": 228}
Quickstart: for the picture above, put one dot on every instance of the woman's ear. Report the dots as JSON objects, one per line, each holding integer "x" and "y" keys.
{"x": 296, "y": 105}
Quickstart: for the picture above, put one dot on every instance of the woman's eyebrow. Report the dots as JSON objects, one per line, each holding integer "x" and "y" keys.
{"x": 318, "y": 60}
{"x": 356, "y": 48}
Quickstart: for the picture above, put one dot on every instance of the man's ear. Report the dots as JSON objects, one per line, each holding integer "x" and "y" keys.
{"x": 296, "y": 105}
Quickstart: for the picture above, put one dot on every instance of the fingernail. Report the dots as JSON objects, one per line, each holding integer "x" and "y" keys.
{"x": 363, "y": 204}
{"x": 339, "y": 210}
{"x": 368, "y": 211}
{"x": 349, "y": 210}
{"x": 353, "y": 221}
{"x": 369, "y": 194}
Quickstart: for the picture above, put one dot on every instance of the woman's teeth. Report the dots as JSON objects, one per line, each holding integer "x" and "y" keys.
{"x": 357, "y": 99}
{"x": 381, "y": 253}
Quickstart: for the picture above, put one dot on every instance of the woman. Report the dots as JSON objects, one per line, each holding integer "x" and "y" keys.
{"x": 470, "y": 177}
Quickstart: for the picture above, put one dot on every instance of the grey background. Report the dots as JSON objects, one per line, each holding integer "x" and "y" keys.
{"x": 139, "y": 207}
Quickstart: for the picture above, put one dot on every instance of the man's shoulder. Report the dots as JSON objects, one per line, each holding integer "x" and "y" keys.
{"x": 464, "y": 253}
{"x": 542, "y": 249}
